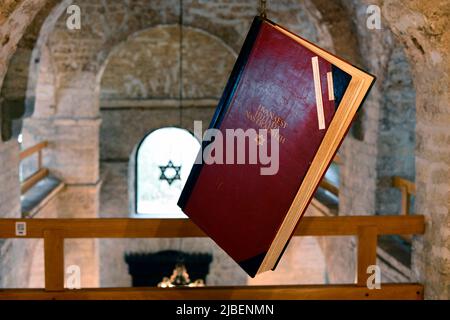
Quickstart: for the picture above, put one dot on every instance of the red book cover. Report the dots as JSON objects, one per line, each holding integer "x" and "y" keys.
{"x": 273, "y": 85}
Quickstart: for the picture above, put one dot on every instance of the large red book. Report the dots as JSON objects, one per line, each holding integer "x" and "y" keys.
{"x": 280, "y": 81}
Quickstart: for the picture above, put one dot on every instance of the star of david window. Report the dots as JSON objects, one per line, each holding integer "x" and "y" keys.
{"x": 164, "y": 159}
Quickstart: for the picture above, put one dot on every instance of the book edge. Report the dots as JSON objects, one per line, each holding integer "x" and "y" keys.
{"x": 270, "y": 262}
{"x": 227, "y": 98}
{"x": 323, "y": 174}
{"x": 355, "y": 73}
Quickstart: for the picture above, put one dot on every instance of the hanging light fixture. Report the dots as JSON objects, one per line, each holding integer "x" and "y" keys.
{"x": 180, "y": 278}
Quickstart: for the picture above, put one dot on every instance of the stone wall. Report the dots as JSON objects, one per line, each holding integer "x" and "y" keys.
{"x": 147, "y": 65}
{"x": 146, "y": 68}
{"x": 396, "y": 138}
{"x": 358, "y": 174}
{"x": 15, "y": 16}
{"x": 421, "y": 29}
{"x": 10, "y": 208}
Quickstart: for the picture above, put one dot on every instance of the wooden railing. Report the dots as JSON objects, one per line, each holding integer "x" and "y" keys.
{"x": 365, "y": 228}
{"x": 327, "y": 184}
{"x": 408, "y": 189}
{"x": 41, "y": 172}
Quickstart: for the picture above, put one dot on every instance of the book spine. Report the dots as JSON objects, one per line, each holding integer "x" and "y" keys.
{"x": 236, "y": 73}
{"x": 224, "y": 103}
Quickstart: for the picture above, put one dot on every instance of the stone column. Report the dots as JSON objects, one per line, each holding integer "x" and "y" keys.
{"x": 423, "y": 28}
{"x": 431, "y": 252}
{"x": 13, "y": 271}
{"x": 73, "y": 157}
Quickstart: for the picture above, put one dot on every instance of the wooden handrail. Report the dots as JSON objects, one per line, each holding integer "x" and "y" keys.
{"x": 329, "y": 186}
{"x": 401, "y": 183}
{"x": 337, "y": 159}
{"x": 184, "y": 228}
{"x": 54, "y": 231}
{"x": 41, "y": 172}
{"x": 35, "y": 178}
{"x": 407, "y": 189}
{"x": 404, "y": 291}
{"x": 32, "y": 150}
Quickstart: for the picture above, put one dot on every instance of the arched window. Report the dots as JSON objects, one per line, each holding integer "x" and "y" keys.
{"x": 164, "y": 159}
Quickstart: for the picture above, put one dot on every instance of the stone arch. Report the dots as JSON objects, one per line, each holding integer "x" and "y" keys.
{"x": 336, "y": 17}
{"x": 18, "y": 90}
{"x": 198, "y": 103}
{"x": 79, "y": 77}
{"x": 100, "y": 37}
{"x": 140, "y": 15}
{"x": 159, "y": 47}
{"x": 159, "y": 81}
{"x": 169, "y": 34}
{"x": 218, "y": 19}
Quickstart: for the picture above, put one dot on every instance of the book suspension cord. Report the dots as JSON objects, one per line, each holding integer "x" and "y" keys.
{"x": 262, "y": 8}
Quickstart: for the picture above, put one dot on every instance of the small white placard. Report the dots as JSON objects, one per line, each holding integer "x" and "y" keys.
{"x": 21, "y": 229}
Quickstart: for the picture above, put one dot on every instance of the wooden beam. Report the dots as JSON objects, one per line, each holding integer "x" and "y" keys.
{"x": 35, "y": 178}
{"x": 327, "y": 185}
{"x": 32, "y": 150}
{"x": 176, "y": 228}
{"x": 338, "y": 160}
{"x": 323, "y": 209}
{"x": 407, "y": 188}
{"x": 293, "y": 292}
{"x": 404, "y": 208}
{"x": 54, "y": 260}
{"x": 398, "y": 182}
{"x": 348, "y": 225}
{"x": 367, "y": 252}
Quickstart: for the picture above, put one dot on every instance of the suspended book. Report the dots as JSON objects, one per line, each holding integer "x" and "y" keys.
{"x": 280, "y": 81}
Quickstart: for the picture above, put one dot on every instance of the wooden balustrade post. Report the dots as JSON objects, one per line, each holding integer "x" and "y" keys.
{"x": 367, "y": 252}
{"x": 39, "y": 160}
{"x": 405, "y": 201}
{"x": 54, "y": 260}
